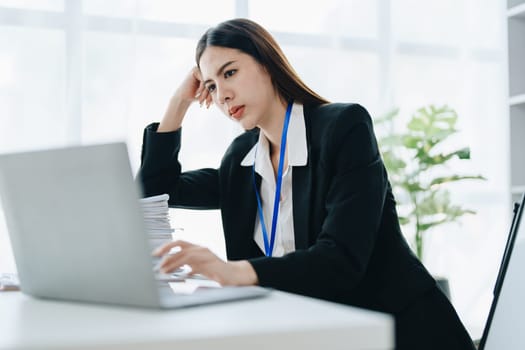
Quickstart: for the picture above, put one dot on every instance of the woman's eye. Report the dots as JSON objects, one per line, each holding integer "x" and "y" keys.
{"x": 230, "y": 72}
{"x": 211, "y": 87}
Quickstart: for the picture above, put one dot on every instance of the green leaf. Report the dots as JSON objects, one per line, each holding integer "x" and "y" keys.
{"x": 463, "y": 153}
{"x": 392, "y": 163}
{"x": 403, "y": 220}
{"x": 412, "y": 187}
{"x": 411, "y": 141}
{"x": 435, "y": 136}
{"x": 452, "y": 178}
{"x": 426, "y": 226}
{"x": 417, "y": 124}
{"x": 438, "y": 159}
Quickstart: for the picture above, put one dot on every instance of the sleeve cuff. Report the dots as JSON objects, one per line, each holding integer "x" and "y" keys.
{"x": 160, "y": 145}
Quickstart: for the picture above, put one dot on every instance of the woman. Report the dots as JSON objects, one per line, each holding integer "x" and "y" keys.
{"x": 305, "y": 200}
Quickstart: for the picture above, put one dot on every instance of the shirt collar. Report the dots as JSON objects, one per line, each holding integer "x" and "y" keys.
{"x": 296, "y": 142}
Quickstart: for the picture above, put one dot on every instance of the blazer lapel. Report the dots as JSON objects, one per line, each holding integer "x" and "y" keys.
{"x": 246, "y": 214}
{"x": 302, "y": 192}
{"x": 301, "y": 187}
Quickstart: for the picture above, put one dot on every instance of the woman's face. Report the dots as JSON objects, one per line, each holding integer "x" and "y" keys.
{"x": 238, "y": 85}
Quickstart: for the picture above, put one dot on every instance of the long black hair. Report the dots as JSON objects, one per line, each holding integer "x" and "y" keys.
{"x": 252, "y": 39}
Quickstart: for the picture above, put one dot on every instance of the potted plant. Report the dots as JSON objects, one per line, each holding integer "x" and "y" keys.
{"x": 418, "y": 169}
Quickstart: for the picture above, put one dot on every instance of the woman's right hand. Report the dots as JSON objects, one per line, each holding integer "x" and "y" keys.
{"x": 192, "y": 89}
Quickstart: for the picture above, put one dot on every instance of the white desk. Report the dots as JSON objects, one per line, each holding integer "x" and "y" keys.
{"x": 279, "y": 321}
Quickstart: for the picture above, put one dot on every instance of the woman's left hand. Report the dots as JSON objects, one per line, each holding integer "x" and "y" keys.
{"x": 204, "y": 262}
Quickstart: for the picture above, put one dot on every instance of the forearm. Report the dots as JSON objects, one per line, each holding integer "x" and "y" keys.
{"x": 174, "y": 115}
{"x": 159, "y": 164}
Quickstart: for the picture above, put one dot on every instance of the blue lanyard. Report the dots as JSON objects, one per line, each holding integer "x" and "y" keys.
{"x": 268, "y": 245}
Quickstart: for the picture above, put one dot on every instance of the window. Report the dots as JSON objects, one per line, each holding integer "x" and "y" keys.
{"x": 46, "y": 5}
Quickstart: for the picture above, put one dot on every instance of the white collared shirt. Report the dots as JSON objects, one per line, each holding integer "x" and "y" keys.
{"x": 297, "y": 150}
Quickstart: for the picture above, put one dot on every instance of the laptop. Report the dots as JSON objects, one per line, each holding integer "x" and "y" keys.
{"x": 77, "y": 230}
{"x": 504, "y": 326}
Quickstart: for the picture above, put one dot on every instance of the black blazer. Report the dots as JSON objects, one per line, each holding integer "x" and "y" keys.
{"x": 349, "y": 246}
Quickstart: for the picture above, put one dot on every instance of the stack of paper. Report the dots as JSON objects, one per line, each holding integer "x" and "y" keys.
{"x": 157, "y": 220}
{"x": 9, "y": 281}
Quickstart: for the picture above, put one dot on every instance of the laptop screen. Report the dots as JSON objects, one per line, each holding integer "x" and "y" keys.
{"x": 504, "y": 328}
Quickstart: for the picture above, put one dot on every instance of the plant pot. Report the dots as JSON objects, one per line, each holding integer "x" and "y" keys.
{"x": 442, "y": 284}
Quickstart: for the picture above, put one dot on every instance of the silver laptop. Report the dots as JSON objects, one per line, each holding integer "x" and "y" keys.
{"x": 77, "y": 230}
